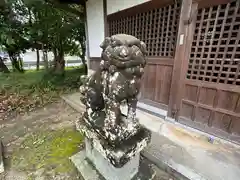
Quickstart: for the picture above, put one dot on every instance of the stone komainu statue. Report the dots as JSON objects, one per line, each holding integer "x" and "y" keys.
{"x": 116, "y": 82}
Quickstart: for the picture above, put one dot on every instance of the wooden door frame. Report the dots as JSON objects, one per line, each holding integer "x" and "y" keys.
{"x": 185, "y": 35}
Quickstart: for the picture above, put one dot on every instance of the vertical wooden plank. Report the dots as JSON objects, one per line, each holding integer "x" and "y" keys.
{"x": 211, "y": 41}
{"x": 158, "y": 82}
{"x": 142, "y": 27}
{"x": 185, "y": 31}
{"x": 163, "y": 74}
{"x": 196, "y": 109}
{"x": 167, "y": 84}
{"x": 197, "y": 44}
{"x": 133, "y": 25}
{"x": 136, "y": 25}
{"x": 172, "y": 28}
{"x": 144, "y": 84}
{"x": 155, "y": 29}
{"x": 166, "y": 52}
{"x": 235, "y": 49}
{"x": 220, "y": 37}
{"x": 124, "y": 25}
{"x": 228, "y": 39}
{"x": 162, "y": 31}
{"x": 146, "y": 29}
{"x": 204, "y": 45}
{"x": 158, "y": 18}
{"x": 151, "y": 87}
{"x": 162, "y": 87}
{"x": 150, "y": 28}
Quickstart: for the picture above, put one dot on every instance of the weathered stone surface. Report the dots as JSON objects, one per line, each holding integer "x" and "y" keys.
{"x": 106, "y": 169}
{"x": 116, "y": 82}
{"x": 84, "y": 167}
{"x": 117, "y": 155}
{"x": 114, "y": 139}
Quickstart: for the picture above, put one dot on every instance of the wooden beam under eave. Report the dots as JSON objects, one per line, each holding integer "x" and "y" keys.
{"x": 141, "y": 8}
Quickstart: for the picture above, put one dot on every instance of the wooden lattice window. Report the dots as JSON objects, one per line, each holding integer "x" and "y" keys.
{"x": 215, "y": 51}
{"x": 157, "y": 28}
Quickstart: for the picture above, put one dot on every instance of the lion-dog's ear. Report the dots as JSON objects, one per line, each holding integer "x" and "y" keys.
{"x": 143, "y": 48}
{"x": 105, "y": 43}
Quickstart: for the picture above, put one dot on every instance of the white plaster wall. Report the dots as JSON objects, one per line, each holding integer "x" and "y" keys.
{"x": 95, "y": 22}
{"x": 119, "y": 5}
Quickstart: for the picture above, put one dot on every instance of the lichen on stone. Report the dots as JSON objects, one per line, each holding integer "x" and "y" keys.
{"x": 48, "y": 150}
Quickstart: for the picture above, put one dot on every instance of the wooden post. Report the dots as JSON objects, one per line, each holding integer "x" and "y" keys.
{"x": 87, "y": 53}
{"x": 106, "y": 33}
{"x": 185, "y": 36}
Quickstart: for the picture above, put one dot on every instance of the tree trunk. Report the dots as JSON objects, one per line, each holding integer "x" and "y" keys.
{"x": 15, "y": 64}
{"x": 38, "y": 60}
{"x": 20, "y": 62}
{"x": 3, "y": 67}
{"x": 45, "y": 59}
{"x": 55, "y": 58}
{"x": 59, "y": 63}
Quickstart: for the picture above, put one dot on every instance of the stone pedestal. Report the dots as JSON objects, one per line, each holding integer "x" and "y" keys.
{"x": 106, "y": 169}
{"x": 101, "y": 161}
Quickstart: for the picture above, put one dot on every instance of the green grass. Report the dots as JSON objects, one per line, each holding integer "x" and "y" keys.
{"x": 21, "y": 92}
{"x": 31, "y": 77}
{"x": 48, "y": 150}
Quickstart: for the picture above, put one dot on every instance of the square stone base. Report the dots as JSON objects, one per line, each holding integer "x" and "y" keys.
{"x": 118, "y": 155}
{"x": 106, "y": 169}
{"x": 89, "y": 171}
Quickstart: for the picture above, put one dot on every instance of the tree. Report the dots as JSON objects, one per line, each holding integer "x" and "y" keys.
{"x": 78, "y": 33}
{"x": 56, "y": 29}
{"x": 12, "y": 34}
{"x": 40, "y": 24}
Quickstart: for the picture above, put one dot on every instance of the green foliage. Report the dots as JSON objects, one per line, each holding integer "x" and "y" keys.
{"x": 12, "y": 32}
{"x": 25, "y": 92}
{"x": 40, "y": 24}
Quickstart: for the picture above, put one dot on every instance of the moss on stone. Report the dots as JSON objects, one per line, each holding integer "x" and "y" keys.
{"x": 48, "y": 150}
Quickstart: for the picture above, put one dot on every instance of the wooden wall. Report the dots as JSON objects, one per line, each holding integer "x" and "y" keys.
{"x": 156, "y": 24}
{"x": 211, "y": 87}
{"x": 193, "y": 60}
{"x": 157, "y": 80}
{"x": 212, "y": 108}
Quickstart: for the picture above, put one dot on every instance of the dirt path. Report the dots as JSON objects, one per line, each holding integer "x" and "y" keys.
{"x": 38, "y": 145}
{"x": 22, "y": 133}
